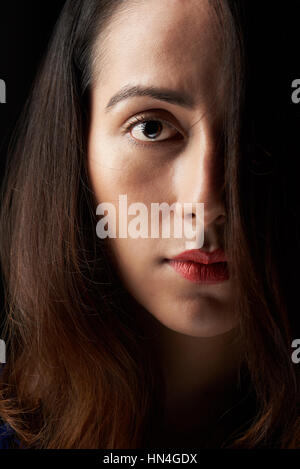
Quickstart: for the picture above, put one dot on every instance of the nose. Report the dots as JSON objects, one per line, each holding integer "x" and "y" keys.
{"x": 200, "y": 179}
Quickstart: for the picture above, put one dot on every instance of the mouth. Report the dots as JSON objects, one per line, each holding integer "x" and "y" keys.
{"x": 201, "y": 267}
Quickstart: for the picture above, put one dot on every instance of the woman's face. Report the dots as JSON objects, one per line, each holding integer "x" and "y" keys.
{"x": 166, "y": 56}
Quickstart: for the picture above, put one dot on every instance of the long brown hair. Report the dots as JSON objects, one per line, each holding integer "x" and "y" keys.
{"x": 79, "y": 372}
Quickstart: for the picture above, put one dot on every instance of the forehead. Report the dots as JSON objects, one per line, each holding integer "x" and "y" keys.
{"x": 169, "y": 43}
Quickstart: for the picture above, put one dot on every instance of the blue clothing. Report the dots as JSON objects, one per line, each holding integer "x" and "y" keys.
{"x": 7, "y": 437}
{"x": 7, "y": 434}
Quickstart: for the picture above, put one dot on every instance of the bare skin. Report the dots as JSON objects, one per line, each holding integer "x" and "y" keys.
{"x": 171, "y": 45}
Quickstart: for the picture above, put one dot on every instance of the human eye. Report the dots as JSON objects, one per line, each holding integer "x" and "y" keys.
{"x": 147, "y": 129}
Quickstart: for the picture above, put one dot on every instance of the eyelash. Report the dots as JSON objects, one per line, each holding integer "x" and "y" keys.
{"x": 148, "y": 118}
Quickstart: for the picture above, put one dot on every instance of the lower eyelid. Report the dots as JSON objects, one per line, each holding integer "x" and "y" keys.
{"x": 151, "y": 145}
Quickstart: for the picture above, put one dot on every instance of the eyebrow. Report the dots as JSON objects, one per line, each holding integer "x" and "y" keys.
{"x": 163, "y": 94}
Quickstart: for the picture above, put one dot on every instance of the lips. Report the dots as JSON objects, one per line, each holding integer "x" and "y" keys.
{"x": 201, "y": 267}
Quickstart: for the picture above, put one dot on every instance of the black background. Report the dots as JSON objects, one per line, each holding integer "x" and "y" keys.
{"x": 25, "y": 28}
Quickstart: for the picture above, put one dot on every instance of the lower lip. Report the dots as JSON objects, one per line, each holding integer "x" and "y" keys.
{"x": 201, "y": 273}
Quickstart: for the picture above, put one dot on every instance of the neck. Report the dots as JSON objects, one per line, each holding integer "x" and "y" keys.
{"x": 201, "y": 377}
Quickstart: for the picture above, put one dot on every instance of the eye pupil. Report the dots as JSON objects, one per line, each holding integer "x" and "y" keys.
{"x": 152, "y": 128}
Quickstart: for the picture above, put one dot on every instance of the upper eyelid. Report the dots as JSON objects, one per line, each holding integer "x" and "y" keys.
{"x": 131, "y": 125}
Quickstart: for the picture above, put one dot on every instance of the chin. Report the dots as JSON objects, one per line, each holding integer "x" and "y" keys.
{"x": 202, "y": 330}
{"x": 199, "y": 323}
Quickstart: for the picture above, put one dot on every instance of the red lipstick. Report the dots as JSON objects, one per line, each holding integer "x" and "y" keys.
{"x": 201, "y": 267}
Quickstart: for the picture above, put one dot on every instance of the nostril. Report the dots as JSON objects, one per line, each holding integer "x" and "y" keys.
{"x": 190, "y": 215}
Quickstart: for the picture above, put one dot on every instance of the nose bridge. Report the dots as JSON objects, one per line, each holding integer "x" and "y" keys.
{"x": 201, "y": 175}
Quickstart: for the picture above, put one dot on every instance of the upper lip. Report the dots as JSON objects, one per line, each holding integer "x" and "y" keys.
{"x": 202, "y": 257}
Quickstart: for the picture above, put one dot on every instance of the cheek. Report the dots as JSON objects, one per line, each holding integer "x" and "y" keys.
{"x": 113, "y": 173}
{"x": 116, "y": 169}
{"x": 137, "y": 266}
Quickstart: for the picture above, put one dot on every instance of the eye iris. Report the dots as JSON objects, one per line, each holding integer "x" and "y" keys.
{"x": 151, "y": 129}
